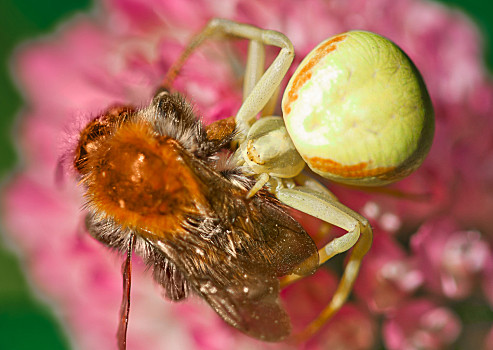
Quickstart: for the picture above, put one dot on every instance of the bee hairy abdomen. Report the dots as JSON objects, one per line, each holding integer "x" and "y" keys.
{"x": 138, "y": 178}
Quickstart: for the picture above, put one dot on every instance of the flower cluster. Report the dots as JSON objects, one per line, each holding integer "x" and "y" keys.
{"x": 428, "y": 279}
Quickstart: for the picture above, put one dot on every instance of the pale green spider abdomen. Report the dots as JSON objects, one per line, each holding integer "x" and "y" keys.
{"x": 358, "y": 111}
{"x": 269, "y": 149}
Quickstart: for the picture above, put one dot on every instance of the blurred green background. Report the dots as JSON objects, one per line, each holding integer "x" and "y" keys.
{"x": 25, "y": 322}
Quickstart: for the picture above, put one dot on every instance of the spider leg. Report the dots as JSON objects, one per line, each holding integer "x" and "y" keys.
{"x": 261, "y": 90}
{"x": 254, "y": 70}
{"x": 254, "y": 67}
{"x": 262, "y": 179}
{"x": 323, "y": 205}
{"x": 259, "y": 87}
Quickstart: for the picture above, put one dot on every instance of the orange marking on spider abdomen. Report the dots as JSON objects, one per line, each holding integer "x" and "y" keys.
{"x": 306, "y": 72}
{"x": 359, "y": 170}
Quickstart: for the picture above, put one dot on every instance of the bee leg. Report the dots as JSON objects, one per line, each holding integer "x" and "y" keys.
{"x": 125, "y": 305}
{"x": 323, "y": 205}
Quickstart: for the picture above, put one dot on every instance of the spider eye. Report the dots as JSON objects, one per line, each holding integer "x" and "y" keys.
{"x": 358, "y": 111}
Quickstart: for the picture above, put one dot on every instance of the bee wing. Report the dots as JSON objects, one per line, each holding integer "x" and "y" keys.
{"x": 234, "y": 265}
{"x": 276, "y": 238}
{"x": 259, "y": 228}
{"x": 231, "y": 249}
{"x": 243, "y": 295}
{"x": 233, "y": 261}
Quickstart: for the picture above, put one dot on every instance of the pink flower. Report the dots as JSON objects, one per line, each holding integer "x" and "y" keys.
{"x": 451, "y": 260}
{"x": 421, "y": 325}
{"x": 351, "y": 328}
{"x": 388, "y": 277}
{"x": 122, "y": 53}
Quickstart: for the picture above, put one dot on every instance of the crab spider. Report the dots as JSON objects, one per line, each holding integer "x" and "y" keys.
{"x": 356, "y": 111}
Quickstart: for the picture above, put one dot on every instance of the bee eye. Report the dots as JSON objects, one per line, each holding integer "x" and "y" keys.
{"x": 81, "y": 157}
{"x": 89, "y": 139}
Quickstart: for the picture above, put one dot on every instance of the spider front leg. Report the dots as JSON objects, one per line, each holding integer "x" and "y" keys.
{"x": 260, "y": 86}
{"x": 322, "y": 204}
{"x": 254, "y": 67}
{"x": 254, "y": 70}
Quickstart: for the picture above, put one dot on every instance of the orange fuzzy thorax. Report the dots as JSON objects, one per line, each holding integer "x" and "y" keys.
{"x": 140, "y": 180}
